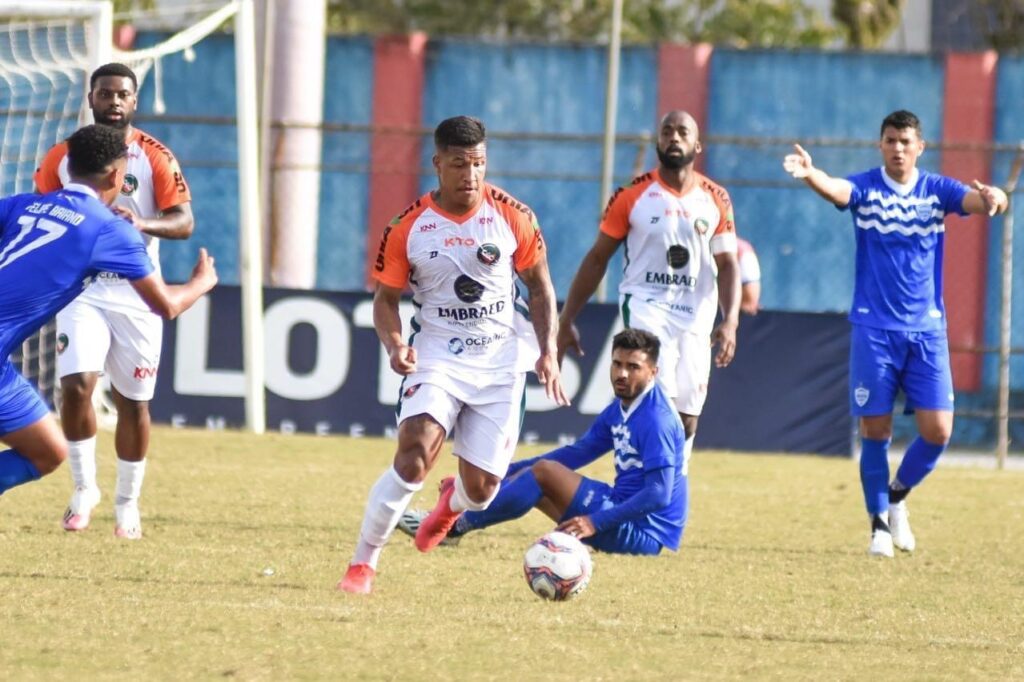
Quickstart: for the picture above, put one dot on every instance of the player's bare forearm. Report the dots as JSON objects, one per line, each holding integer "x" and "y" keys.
{"x": 386, "y": 319}
{"x": 543, "y": 312}
{"x": 177, "y": 222}
{"x": 589, "y": 275}
{"x": 835, "y": 190}
{"x": 170, "y": 300}
{"x": 729, "y": 288}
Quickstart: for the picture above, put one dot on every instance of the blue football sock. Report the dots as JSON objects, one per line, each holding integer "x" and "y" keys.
{"x": 513, "y": 500}
{"x": 874, "y": 474}
{"x": 15, "y": 470}
{"x": 918, "y": 462}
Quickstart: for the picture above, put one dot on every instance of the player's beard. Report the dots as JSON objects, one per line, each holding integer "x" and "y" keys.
{"x": 676, "y": 162}
{"x": 117, "y": 124}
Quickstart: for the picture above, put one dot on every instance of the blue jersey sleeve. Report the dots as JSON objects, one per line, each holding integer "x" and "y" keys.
{"x": 951, "y": 193}
{"x": 655, "y": 495}
{"x": 119, "y": 249}
{"x": 860, "y": 183}
{"x": 594, "y": 443}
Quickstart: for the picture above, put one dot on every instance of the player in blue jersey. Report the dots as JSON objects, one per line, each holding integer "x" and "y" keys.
{"x": 898, "y": 339}
{"x": 645, "y": 509}
{"x": 51, "y": 246}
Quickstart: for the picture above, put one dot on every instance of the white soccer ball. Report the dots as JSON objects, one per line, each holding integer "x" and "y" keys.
{"x": 557, "y": 566}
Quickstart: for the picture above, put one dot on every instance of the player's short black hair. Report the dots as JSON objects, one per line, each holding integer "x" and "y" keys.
{"x": 638, "y": 339}
{"x": 901, "y": 120}
{"x": 113, "y": 69}
{"x": 93, "y": 148}
{"x": 459, "y": 131}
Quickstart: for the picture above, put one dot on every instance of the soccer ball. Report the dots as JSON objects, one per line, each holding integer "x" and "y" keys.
{"x": 557, "y": 566}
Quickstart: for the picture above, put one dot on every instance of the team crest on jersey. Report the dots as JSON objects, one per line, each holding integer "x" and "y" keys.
{"x": 861, "y": 395}
{"x": 468, "y": 289}
{"x": 456, "y": 346}
{"x": 678, "y": 256}
{"x": 130, "y": 185}
{"x": 924, "y": 211}
{"x": 488, "y": 254}
{"x": 62, "y": 343}
{"x": 701, "y": 225}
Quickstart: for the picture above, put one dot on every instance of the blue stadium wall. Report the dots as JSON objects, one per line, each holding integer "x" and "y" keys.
{"x": 804, "y": 244}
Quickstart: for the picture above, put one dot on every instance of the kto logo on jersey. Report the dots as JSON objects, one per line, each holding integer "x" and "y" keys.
{"x": 456, "y": 346}
{"x": 459, "y": 241}
{"x": 488, "y": 254}
{"x": 130, "y": 185}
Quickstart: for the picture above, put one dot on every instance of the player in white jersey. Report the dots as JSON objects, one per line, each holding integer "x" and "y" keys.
{"x": 898, "y": 317}
{"x": 679, "y": 269}
{"x": 461, "y": 249}
{"x": 750, "y": 277}
{"x": 109, "y": 328}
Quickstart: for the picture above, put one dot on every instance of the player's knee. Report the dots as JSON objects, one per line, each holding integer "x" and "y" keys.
{"x": 481, "y": 490}
{"x": 132, "y": 409}
{"x": 544, "y": 470}
{"x": 47, "y": 461}
{"x": 75, "y": 391}
{"x": 412, "y": 462}
{"x": 937, "y": 434}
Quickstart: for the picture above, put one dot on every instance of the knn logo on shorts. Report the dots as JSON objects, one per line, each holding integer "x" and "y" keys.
{"x": 130, "y": 185}
{"x": 62, "y": 343}
{"x": 861, "y": 395}
{"x": 488, "y": 254}
{"x": 456, "y": 346}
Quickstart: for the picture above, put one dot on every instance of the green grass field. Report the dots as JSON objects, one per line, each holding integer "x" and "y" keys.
{"x": 773, "y": 581}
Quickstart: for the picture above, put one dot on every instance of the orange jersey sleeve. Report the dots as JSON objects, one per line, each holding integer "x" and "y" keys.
{"x": 524, "y": 225}
{"x": 169, "y": 186}
{"x": 47, "y": 178}
{"x": 392, "y": 266}
{"x": 726, "y": 222}
{"x": 615, "y": 221}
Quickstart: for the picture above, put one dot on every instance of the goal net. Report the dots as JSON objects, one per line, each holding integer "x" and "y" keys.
{"x": 48, "y": 49}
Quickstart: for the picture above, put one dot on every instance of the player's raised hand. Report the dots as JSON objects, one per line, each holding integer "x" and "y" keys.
{"x": 549, "y": 376}
{"x": 724, "y": 337}
{"x": 403, "y": 359}
{"x": 205, "y": 271}
{"x": 798, "y": 164}
{"x": 994, "y": 198}
{"x": 568, "y": 338}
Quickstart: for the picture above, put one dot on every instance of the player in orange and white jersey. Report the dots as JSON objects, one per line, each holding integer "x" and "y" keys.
{"x": 680, "y": 268}
{"x": 461, "y": 249}
{"x": 109, "y": 328}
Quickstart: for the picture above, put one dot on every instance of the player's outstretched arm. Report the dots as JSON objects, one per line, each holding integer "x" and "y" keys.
{"x": 590, "y": 273}
{"x": 388, "y": 324}
{"x": 542, "y": 313}
{"x": 799, "y": 165}
{"x": 170, "y": 300}
{"x": 176, "y": 222}
{"x": 985, "y": 199}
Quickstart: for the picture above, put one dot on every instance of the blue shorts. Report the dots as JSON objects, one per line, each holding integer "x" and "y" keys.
{"x": 20, "y": 404}
{"x": 626, "y": 538}
{"x": 884, "y": 361}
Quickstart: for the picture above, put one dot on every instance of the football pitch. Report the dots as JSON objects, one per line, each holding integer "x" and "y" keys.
{"x": 245, "y": 538}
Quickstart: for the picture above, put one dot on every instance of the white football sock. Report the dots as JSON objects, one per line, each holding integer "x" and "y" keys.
{"x": 82, "y": 462}
{"x": 129, "y": 481}
{"x": 389, "y": 497}
{"x": 687, "y": 453}
{"x": 461, "y": 501}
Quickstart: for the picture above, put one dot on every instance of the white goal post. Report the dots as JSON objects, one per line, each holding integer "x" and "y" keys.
{"x": 48, "y": 48}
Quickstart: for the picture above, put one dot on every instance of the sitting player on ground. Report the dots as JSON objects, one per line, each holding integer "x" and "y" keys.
{"x": 645, "y": 510}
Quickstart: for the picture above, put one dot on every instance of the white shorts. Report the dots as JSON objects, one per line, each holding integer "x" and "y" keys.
{"x": 483, "y": 417}
{"x": 124, "y": 345}
{"x": 684, "y": 363}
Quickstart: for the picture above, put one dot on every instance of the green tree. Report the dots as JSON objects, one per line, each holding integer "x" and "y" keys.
{"x": 753, "y": 23}
{"x": 867, "y": 23}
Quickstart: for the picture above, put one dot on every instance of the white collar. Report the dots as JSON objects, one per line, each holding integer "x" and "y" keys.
{"x": 901, "y": 189}
{"x": 636, "y": 401}
{"x": 81, "y": 189}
